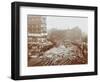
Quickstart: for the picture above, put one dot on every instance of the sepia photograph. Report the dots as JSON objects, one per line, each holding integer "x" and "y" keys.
{"x": 57, "y": 40}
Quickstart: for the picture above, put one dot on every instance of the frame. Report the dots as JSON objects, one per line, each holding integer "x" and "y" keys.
{"x": 22, "y": 15}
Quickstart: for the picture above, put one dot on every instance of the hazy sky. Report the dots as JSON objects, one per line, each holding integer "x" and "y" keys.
{"x": 67, "y": 22}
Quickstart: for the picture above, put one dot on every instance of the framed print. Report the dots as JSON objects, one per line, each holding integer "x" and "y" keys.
{"x": 53, "y": 40}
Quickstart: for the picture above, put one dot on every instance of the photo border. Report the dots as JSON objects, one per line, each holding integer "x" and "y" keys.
{"x": 15, "y": 40}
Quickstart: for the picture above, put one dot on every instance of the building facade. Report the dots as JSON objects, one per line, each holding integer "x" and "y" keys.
{"x": 37, "y": 35}
{"x": 37, "y": 31}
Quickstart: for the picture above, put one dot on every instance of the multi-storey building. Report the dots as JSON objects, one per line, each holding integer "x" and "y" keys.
{"x": 37, "y": 36}
{"x": 37, "y": 31}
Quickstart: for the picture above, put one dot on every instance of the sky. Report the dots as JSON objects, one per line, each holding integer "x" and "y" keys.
{"x": 61, "y": 22}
